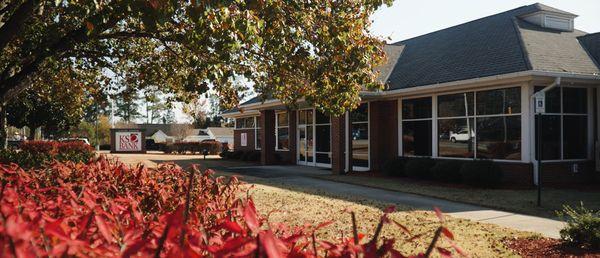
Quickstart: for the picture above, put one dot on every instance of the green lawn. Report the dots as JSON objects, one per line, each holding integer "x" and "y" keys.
{"x": 521, "y": 201}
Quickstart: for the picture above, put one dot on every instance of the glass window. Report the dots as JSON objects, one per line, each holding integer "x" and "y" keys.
{"x": 360, "y": 145}
{"x": 455, "y": 105}
{"x": 550, "y": 137}
{"x": 305, "y": 116}
{"x": 575, "y": 100}
{"x": 240, "y": 123}
{"x": 499, "y": 137}
{"x": 249, "y": 122}
{"x": 416, "y": 138}
{"x": 575, "y": 137}
{"x": 565, "y": 124}
{"x": 321, "y": 118}
{"x": 552, "y": 100}
{"x": 323, "y": 137}
{"x": 360, "y": 136}
{"x": 283, "y": 138}
{"x": 360, "y": 114}
{"x": 456, "y": 138}
{"x": 282, "y": 131}
{"x": 416, "y": 108}
{"x": 501, "y": 101}
{"x": 282, "y": 119}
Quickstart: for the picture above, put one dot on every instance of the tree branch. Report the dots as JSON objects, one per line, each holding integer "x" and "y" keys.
{"x": 14, "y": 25}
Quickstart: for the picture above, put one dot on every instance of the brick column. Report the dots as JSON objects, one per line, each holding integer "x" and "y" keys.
{"x": 383, "y": 132}
{"x": 338, "y": 143}
{"x": 267, "y": 124}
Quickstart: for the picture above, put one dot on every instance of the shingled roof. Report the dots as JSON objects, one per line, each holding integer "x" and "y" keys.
{"x": 499, "y": 44}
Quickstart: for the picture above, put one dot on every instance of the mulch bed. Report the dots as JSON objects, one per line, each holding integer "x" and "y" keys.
{"x": 547, "y": 247}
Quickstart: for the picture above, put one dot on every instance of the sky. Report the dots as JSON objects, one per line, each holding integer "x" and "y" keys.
{"x": 406, "y": 19}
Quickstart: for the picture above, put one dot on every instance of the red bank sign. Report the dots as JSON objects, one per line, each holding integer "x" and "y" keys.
{"x": 128, "y": 141}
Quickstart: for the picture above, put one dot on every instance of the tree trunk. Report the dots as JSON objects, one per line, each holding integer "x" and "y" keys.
{"x": 3, "y": 127}
{"x": 31, "y": 136}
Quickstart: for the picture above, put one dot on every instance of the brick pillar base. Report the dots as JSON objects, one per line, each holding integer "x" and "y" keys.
{"x": 267, "y": 124}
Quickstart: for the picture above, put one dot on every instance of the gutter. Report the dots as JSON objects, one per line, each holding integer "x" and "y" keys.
{"x": 440, "y": 86}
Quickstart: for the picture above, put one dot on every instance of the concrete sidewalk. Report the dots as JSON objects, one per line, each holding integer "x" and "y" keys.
{"x": 302, "y": 177}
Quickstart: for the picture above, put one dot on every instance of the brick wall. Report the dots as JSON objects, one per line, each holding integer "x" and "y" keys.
{"x": 250, "y": 139}
{"x": 562, "y": 174}
{"x": 267, "y": 123}
{"x": 383, "y": 134}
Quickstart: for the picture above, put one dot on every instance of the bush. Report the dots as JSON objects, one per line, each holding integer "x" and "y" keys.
{"x": 447, "y": 171}
{"x": 33, "y": 154}
{"x": 213, "y": 147}
{"x": 108, "y": 209}
{"x": 394, "y": 167}
{"x": 419, "y": 168}
{"x": 237, "y": 154}
{"x": 583, "y": 227}
{"x": 481, "y": 173}
{"x": 251, "y": 156}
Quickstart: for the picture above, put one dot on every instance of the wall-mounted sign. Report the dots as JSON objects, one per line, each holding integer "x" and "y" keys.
{"x": 243, "y": 139}
{"x": 128, "y": 141}
{"x": 540, "y": 103}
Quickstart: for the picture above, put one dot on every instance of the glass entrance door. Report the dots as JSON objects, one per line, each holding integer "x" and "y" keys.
{"x": 305, "y": 145}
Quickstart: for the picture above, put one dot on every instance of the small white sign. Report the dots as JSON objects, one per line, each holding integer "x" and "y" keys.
{"x": 128, "y": 141}
{"x": 540, "y": 103}
{"x": 243, "y": 139}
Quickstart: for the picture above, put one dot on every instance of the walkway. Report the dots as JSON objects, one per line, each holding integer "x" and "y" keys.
{"x": 302, "y": 177}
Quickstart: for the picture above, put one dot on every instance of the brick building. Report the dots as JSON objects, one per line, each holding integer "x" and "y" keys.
{"x": 465, "y": 92}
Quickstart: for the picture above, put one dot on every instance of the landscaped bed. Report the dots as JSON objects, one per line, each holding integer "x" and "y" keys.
{"x": 516, "y": 200}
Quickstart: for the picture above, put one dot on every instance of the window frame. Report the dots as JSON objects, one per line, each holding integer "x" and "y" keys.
{"x": 588, "y": 115}
{"x": 256, "y": 134}
{"x": 402, "y": 120}
{"x": 434, "y": 126}
{"x": 349, "y": 129}
{"x": 277, "y": 127}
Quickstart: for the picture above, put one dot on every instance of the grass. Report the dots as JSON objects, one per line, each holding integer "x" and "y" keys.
{"x": 521, "y": 201}
{"x": 300, "y": 206}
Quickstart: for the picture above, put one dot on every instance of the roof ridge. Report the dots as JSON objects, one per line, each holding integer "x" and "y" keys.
{"x": 522, "y": 44}
{"x": 401, "y": 42}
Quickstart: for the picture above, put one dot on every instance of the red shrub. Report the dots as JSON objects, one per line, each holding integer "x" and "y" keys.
{"x": 108, "y": 209}
{"x": 40, "y": 147}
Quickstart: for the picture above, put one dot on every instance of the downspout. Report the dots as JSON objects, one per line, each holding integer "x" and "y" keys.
{"x": 536, "y": 165}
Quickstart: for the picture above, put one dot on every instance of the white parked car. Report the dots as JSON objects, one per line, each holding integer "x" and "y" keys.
{"x": 84, "y": 140}
{"x": 461, "y": 136}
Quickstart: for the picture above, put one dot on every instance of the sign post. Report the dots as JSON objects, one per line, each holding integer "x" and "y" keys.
{"x": 540, "y": 109}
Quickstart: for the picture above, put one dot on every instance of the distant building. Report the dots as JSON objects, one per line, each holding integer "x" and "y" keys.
{"x": 168, "y": 133}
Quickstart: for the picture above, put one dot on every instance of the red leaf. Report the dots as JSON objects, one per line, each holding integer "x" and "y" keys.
{"x": 447, "y": 233}
{"x": 324, "y": 224}
{"x": 272, "y": 246}
{"x": 250, "y": 216}
{"x": 396, "y": 254}
{"x": 439, "y": 214}
{"x": 134, "y": 248}
{"x": 405, "y": 229}
{"x": 103, "y": 228}
{"x": 232, "y": 226}
{"x": 389, "y": 209}
{"x": 458, "y": 249}
{"x": 444, "y": 253}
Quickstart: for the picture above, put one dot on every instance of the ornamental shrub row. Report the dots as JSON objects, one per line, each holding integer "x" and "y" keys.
{"x": 108, "y": 209}
{"x": 212, "y": 147}
{"x": 251, "y": 155}
{"x": 37, "y": 153}
{"x": 478, "y": 173}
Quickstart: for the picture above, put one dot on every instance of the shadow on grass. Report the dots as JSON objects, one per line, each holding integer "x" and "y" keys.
{"x": 417, "y": 195}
